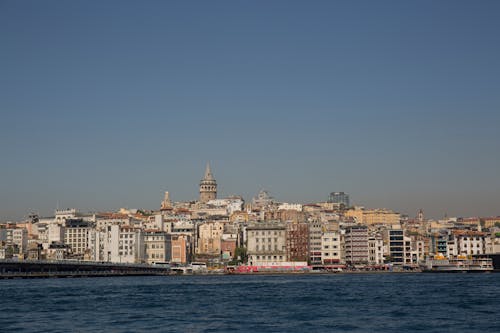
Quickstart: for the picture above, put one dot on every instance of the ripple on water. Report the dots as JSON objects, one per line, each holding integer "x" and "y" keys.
{"x": 308, "y": 303}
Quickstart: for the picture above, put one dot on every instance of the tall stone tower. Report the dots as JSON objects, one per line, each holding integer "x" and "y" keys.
{"x": 208, "y": 186}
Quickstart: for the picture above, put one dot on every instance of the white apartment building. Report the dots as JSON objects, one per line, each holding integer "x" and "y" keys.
{"x": 331, "y": 249}
{"x": 375, "y": 250}
{"x": 124, "y": 244}
{"x": 470, "y": 243}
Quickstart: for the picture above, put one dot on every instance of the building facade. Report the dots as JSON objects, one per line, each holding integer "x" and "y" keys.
{"x": 356, "y": 245}
{"x": 266, "y": 243}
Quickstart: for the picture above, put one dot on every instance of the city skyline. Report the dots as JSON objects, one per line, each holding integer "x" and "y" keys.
{"x": 108, "y": 105}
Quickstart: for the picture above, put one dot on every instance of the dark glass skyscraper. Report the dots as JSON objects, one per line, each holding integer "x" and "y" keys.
{"x": 339, "y": 198}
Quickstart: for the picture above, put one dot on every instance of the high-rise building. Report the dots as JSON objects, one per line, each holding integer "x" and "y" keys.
{"x": 208, "y": 186}
{"x": 396, "y": 245}
{"x": 356, "y": 245}
{"x": 339, "y": 198}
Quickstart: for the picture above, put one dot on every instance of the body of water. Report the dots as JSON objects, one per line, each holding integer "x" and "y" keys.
{"x": 280, "y": 303}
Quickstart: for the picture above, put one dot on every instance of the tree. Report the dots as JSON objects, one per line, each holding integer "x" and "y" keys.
{"x": 240, "y": 256}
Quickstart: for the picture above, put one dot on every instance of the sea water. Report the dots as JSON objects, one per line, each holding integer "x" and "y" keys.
{"x": 254, "y": 303}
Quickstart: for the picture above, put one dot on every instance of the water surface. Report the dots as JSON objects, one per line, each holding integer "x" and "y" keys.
{"x": 282, "y": 303}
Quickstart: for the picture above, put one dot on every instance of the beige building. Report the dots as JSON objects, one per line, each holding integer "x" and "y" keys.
{"x": 490, "y": 222}
{"x": 209, "y": 238}
{"x": 374, "y": 216}
{"x": 157, "y": 246}
{"x": 266, "y": 243}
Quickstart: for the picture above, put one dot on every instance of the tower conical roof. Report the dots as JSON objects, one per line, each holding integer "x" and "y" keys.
{"x": 208, "y": 173}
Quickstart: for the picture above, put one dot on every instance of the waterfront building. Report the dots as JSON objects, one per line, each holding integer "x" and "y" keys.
{"x": 77, "y": 235}
{"x": 316, "y": 229}
{"x": 375, "y": 250}
{"x": 58, "y": 251}
{"x": 228, "y": 246}
{"x": 266, "y": 243}
{"x": 339, "y": 198}
{"x": 408, "y": 253}
{"x": 34, "y": 251}
{"x": 158, "y": 246}
{"x": 297, "y": 241}
{"x": 125, "y": 244}
{"x": 13, "y": 241}
{"x": 331, "y": 248}
{"x": 181, "y": 249}
{"x": 208, "y": 186}
{"x": 418, "y": 249}
{"x": 469, "y": 242}
{"x": 396, "y": 245}
{"x": 356, "y": 245}
{"x": 492, "y": 244}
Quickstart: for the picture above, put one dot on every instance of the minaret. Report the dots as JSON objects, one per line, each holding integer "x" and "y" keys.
{"x": 208, "y": 186}
{"x": 420, "y": 215}
{"x": 166, "y": 204}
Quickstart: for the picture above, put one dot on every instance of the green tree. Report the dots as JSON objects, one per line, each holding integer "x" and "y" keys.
{"x": 240, "y": 256}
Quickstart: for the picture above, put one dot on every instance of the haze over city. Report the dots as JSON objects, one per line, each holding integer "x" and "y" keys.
{"x": 108, "y": 105}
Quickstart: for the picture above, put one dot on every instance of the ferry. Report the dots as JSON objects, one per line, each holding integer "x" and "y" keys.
{"x": 440, "y": 264}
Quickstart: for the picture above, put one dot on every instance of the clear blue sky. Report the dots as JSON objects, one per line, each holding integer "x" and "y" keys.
{"x": 107, "y": 104}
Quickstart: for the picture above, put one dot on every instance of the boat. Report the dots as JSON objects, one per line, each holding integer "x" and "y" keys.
{"x": 461, "y": 264}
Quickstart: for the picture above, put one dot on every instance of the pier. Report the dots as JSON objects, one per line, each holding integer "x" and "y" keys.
{"x": 12, "y": 269}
